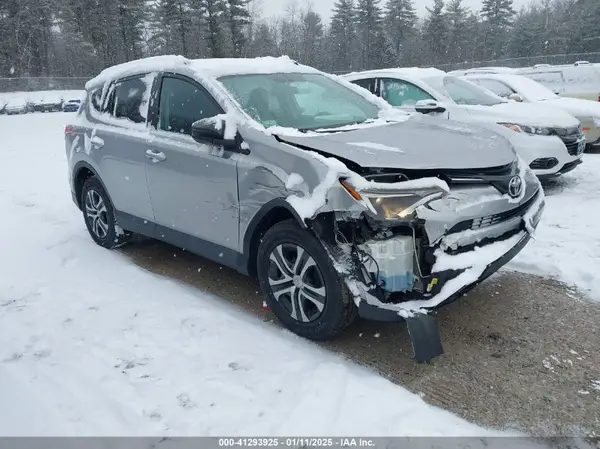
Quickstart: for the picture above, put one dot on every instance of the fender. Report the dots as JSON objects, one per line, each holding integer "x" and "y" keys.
{"x": 253, "y": 230}
{"x": 76, "y": 169}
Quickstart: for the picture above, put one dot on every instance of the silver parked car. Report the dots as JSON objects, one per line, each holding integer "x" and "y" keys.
{"x": 338, "y": 204}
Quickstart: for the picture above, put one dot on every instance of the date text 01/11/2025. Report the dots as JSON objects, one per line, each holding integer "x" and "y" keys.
{"x": 296, "y": 442}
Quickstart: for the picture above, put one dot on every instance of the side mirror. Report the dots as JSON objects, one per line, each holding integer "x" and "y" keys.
{"x": 429, "y": 107}
{"x": 212, "y": 130}
{"x": 516, "y": 97}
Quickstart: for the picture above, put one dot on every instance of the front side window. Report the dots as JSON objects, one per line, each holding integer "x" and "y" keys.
{"x": 130, "y": 100}
{"x": 402, "y": 93}
{"x": 499, "y": 88}
{"x": 182, "y": 103}
{"x": 302, "y": 101}
{"x": 463, "y": 92}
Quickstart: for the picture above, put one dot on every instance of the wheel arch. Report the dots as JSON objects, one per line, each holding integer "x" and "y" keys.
{"x": 273, "y": 212}
{"x": 81, "y": 173}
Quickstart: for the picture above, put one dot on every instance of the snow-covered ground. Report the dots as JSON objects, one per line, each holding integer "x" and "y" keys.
{"x": 91, "y": 344}
{"x": 567, "y": 242}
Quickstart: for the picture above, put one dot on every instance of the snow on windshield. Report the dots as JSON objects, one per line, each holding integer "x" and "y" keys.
{"x": 463, "y": 92}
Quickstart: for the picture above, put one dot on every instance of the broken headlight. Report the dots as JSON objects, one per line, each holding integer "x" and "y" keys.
{"x": 395, "y": 203}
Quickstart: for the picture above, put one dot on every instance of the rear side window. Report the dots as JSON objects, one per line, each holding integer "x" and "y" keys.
{"x": 96, "y": 100}
{"x": 402, "y": 93}
{"x": 368, "y": 84}
{"x": 131, "y": 99}
{"x": 182, "y": 103}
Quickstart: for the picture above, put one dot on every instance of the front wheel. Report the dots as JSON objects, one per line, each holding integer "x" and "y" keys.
{"x": 99, "y": 215}
{"x": 301, "y": 285}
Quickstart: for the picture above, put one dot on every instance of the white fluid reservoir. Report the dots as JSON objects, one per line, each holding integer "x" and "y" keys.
{"x": 395, "y": 260}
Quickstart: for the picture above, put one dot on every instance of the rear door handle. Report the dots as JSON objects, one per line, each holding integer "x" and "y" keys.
{"x": 156, "y": 156}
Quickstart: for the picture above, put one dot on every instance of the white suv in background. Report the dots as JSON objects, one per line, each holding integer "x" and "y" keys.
{"x": 550, "y": 141}
{"x": 523, "y": 89}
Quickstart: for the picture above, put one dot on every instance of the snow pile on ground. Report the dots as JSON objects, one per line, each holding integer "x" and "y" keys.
{"x": 90, "y": 344}
{"x": 567, "y": 241}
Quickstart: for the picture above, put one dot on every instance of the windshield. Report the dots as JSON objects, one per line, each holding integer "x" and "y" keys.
{"x": 299, "y": 100}
{"x": 532, "y": 90}
{"x": 463, "y": 92}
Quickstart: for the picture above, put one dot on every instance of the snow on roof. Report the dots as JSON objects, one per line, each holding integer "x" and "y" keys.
{"x": 416, "y": 72}
{"x": 241, "y": 66}
{"x": 214, "y": 68}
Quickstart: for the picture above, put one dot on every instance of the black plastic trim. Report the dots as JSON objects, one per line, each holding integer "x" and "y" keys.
{"x": 195, "y": 245}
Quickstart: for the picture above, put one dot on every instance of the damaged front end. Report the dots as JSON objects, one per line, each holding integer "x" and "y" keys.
{"x": 406, "y": 248}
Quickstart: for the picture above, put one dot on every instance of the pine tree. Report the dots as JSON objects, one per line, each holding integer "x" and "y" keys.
{"x": 214, "y": 12}
{"x": 312, "y": 40}
{"x": 400, "y": 22}
{"x": 458, "y": 36}
{"x": 343, "y": 36}
{"x": 238, "y": 17}
{"x": 131, "y": 19}
{"x": 436, "y": 32}
{"x": 171, "y": 23}
{"x": 264, "y": 42}
{"x": 370, "y": 34}
{"x": 497, "y": 19}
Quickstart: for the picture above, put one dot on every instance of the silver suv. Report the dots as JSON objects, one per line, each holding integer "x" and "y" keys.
{"x": 338, "y": 204}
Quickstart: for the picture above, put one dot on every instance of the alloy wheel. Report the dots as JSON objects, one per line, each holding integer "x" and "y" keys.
{"x": 96, "y": 214}
{"x": 297, "y": 282}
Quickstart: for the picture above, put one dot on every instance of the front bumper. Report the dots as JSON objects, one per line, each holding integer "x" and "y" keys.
{"x": 534, "y": 149}
{"x": 374, "y": 313}
{"x": 447, "y": 286}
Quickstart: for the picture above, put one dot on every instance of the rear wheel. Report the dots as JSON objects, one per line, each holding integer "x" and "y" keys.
{"x": 99, "y": 216}
{"x": 301, "y": 285}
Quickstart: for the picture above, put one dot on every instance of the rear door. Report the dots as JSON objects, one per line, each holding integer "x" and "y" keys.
{"x": 116, "y": 141}
{"x": 193, "y": 186}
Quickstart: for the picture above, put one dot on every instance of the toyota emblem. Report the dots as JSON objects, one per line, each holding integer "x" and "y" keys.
{"x": 515, "y": 186}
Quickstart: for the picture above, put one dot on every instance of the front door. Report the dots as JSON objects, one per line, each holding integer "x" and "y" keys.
{"x": 193, "y": 187}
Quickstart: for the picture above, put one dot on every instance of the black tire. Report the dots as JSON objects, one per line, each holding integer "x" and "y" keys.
{"x": 338, "y": 307}
{"x": 96, "y": 203}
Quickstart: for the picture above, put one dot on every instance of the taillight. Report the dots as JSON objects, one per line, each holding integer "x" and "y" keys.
{"x": 69, "y": 129}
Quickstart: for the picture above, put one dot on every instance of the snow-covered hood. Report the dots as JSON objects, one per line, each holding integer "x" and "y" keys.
{"x": 525, "y": 114}
{"x": 418, "y": 143}
{"x": 577, "y": 107}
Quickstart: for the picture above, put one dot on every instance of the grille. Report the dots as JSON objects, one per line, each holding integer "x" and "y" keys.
{"x": 544, "y": 163}
{"x": 571, "y": 138}
{"x": 491, "y": 220}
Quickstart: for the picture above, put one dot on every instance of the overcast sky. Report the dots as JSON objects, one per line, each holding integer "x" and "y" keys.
{"x": 323, "y": 7}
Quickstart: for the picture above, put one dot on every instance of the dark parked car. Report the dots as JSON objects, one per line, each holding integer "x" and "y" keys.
{"x": 49, "y": 104}
{"x": 72, "y": 106}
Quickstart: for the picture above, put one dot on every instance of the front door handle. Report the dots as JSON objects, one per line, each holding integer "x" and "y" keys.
{"x": 156, "y": 156}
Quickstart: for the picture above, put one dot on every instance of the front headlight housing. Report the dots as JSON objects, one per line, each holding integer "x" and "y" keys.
{"x": 393, "y": 205}
{"x": 532, "y": 130}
